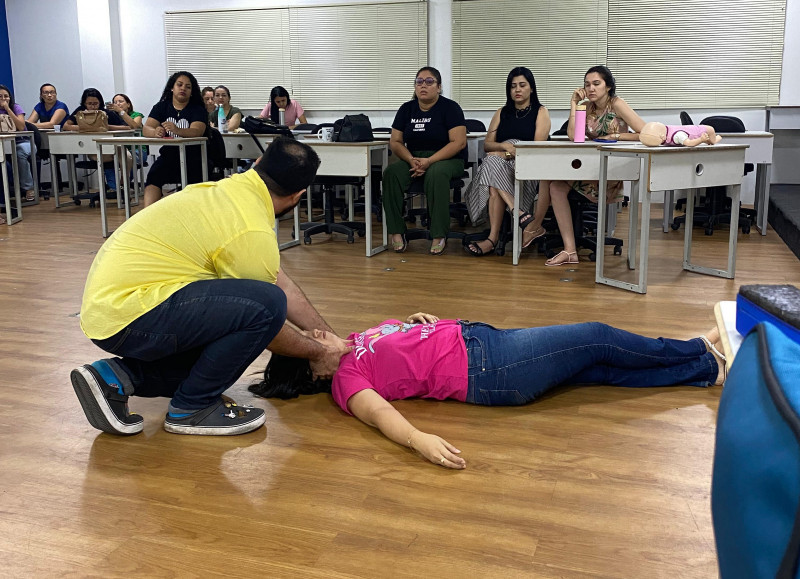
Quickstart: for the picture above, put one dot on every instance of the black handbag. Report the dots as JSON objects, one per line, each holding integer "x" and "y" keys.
{"x": 353, "y": 129}
{"x": 258, "y": 126}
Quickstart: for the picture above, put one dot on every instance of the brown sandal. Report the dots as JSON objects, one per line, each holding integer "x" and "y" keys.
{"x": 534, "y": 235}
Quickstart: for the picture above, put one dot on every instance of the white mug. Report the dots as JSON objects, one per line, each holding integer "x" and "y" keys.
{"x": 325, "y": 134}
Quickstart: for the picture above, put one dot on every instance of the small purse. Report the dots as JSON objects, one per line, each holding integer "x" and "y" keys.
{"x": 7, "y": 124}
{"x": 92, "y": 121}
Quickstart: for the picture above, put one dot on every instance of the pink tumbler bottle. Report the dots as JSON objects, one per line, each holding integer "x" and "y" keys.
{"x": 579, "y": 135}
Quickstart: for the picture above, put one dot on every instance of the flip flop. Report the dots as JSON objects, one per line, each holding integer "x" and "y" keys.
{"x": 441, "y": 246}
{"x": 475, "y": 249}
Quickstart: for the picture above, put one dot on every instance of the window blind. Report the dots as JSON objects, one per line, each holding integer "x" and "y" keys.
{"x": 696, "y": 53}
{"x": 338, "y": 57}
{"x": 557, "y": 39}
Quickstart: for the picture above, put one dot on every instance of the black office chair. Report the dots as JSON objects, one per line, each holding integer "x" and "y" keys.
{"x": 584, "y": 225}
{"x": 686, "y": 119}
{"x": 562, "y": 132}
{"x": 716, "y": 206}
{"x": 329, "y": 224}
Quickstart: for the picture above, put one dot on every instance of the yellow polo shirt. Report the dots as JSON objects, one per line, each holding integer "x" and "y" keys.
{"x": 206, "y": 231}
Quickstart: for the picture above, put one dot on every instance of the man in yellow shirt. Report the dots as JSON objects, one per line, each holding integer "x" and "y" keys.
{"x": 188, "y": 292}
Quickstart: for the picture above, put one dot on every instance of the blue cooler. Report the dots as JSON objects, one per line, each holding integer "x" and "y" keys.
{"x": 776, "y": 304}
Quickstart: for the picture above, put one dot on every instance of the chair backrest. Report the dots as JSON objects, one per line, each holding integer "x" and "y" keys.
{"x": 562, "y": 130}
{"x": 37, "y": 136}
{"x": 723, "y": 124}
{"x": 215, "y": 148}
{"x": 686, "y": 119}
{"x": 475, "y": 126}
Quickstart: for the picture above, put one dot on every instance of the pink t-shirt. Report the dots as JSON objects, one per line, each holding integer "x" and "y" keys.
{"x": 400, "y": 360}
{"x": 293, "y": 112}
{"x": 693, "y": 132}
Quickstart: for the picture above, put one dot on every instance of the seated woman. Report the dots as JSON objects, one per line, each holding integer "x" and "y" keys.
{"x": 523, "y": 118}
{"x": 179, "y": 113}
{"x": 23, "y": 145}
{"x": 92, "y": 100}
{"x": 49, "y": 112}
{"x": 607, "y": 116}
{"x": 429, "y": 137}
{"x": 425, "y": 357}
{"x": 208, "y": 99}
{"x": 279, "y": 99}
{"x": 222, "y": 97}
{"x": 122, "y": 105}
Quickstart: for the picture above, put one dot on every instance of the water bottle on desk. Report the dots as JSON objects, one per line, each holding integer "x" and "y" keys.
{"x": 222, "y": 122}
{"x": 579, "y": 134}
{"x": 281, "y": 116}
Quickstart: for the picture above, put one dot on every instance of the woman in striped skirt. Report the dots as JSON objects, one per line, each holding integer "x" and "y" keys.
{"x": 523, "y": 118}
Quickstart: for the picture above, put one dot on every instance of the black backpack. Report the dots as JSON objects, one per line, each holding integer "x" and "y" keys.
{"x": 215, "y": 152}
{"x": 353, "y": 129}
{"x": 258, "y": 126}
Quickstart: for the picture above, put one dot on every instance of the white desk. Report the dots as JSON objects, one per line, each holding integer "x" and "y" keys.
{"x": 353, "y": 160}
{"x": 725, "y": 314}
{"x": 759, "y": 152}
{"x": 563, "y": 161}
{"x": 669, "y": 168}
{"x": 9, "y": 141}
{"x": 118, "y": 143}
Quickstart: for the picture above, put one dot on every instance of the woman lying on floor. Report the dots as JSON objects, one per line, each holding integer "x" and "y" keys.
{"x": 425, "y": 357}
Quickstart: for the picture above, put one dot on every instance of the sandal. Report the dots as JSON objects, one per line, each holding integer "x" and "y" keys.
{"x": 534, "y": 235}
{"x": 400, "y": 246}
{"x": 721, "y": 360}
{"x": 569, "y": 257}
{"x": 438, "y": 249}
{"x": 29, "y": 196}
{"x": 476, "y": 250}
{"x": 525, "y": 219}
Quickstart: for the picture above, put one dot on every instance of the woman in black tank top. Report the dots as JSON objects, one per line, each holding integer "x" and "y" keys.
{"x": 523, "y": 118}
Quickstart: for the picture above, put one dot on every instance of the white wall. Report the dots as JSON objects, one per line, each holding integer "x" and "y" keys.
{"x": 129, "y": 55}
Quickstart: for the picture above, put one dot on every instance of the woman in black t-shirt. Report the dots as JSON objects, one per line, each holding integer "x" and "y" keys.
{"x": 179, "y": 113}
{"x": 523, "y": 118}
{"x": 429, "y": 137}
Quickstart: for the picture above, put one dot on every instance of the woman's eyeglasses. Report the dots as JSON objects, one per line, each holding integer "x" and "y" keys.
{"x": 48, "y": 92}
{"x": 430, "y": 81}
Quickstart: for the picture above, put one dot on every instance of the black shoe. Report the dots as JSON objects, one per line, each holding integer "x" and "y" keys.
{"x": 221, "y": 419}
{"x": 104, "y": 406}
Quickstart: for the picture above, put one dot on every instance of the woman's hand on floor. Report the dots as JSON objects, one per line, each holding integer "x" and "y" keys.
{"x": 437, "y": 450}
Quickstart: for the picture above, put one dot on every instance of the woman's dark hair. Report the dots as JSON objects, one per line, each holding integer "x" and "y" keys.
{"x": 222, "y": 86}
{"x": 10, "y": 95}
{"x": 288, "y": 378}
{"x": 509, "y": 107}
{"x": 89, "y": 92}
{"x": 277, "y": 92}
{"x": 127, "y": 100}
{"x": 606, "y": 75}
{"x": 41, "y": 88}
{"x": 196, "y": 98}
{"x": 206, "y": 89}
{"x": 436, "y": 74}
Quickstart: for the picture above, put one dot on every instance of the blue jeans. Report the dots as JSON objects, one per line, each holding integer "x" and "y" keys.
{"x": 24, "y": 165}
{"x": 512, "y": 367}
{"x": 197, "y": 343}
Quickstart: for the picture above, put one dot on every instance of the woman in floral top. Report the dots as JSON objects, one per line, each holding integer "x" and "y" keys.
{"x": 607, "y": 116}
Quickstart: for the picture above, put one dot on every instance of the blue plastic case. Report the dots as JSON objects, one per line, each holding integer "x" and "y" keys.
{"x": 749, "y": 314}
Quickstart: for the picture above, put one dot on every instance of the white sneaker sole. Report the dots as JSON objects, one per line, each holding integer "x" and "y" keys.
{"x": 95, "y": 405}
{"x": 243, "y": 428}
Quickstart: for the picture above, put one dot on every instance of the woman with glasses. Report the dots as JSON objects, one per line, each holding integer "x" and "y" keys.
{"x": 523, "y": 118}
{"x": 279, "y": 98}
{"x": 429, "y": 137}
{"x": 49, "y": 111}
{"x": 222, "y": 97}
{"x": 472, "y": 362}
{"x": 23, "y": 145}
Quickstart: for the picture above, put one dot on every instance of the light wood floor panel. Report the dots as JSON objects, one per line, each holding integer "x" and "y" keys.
{"x": 588, "y": 482}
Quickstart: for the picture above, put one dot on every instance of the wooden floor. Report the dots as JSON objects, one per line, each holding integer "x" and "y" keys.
{"x": 590, "y": 482}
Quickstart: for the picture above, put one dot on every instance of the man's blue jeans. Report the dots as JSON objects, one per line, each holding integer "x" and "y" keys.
{"x": 511, "y": 367}
{"x": 197, "y": 343}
